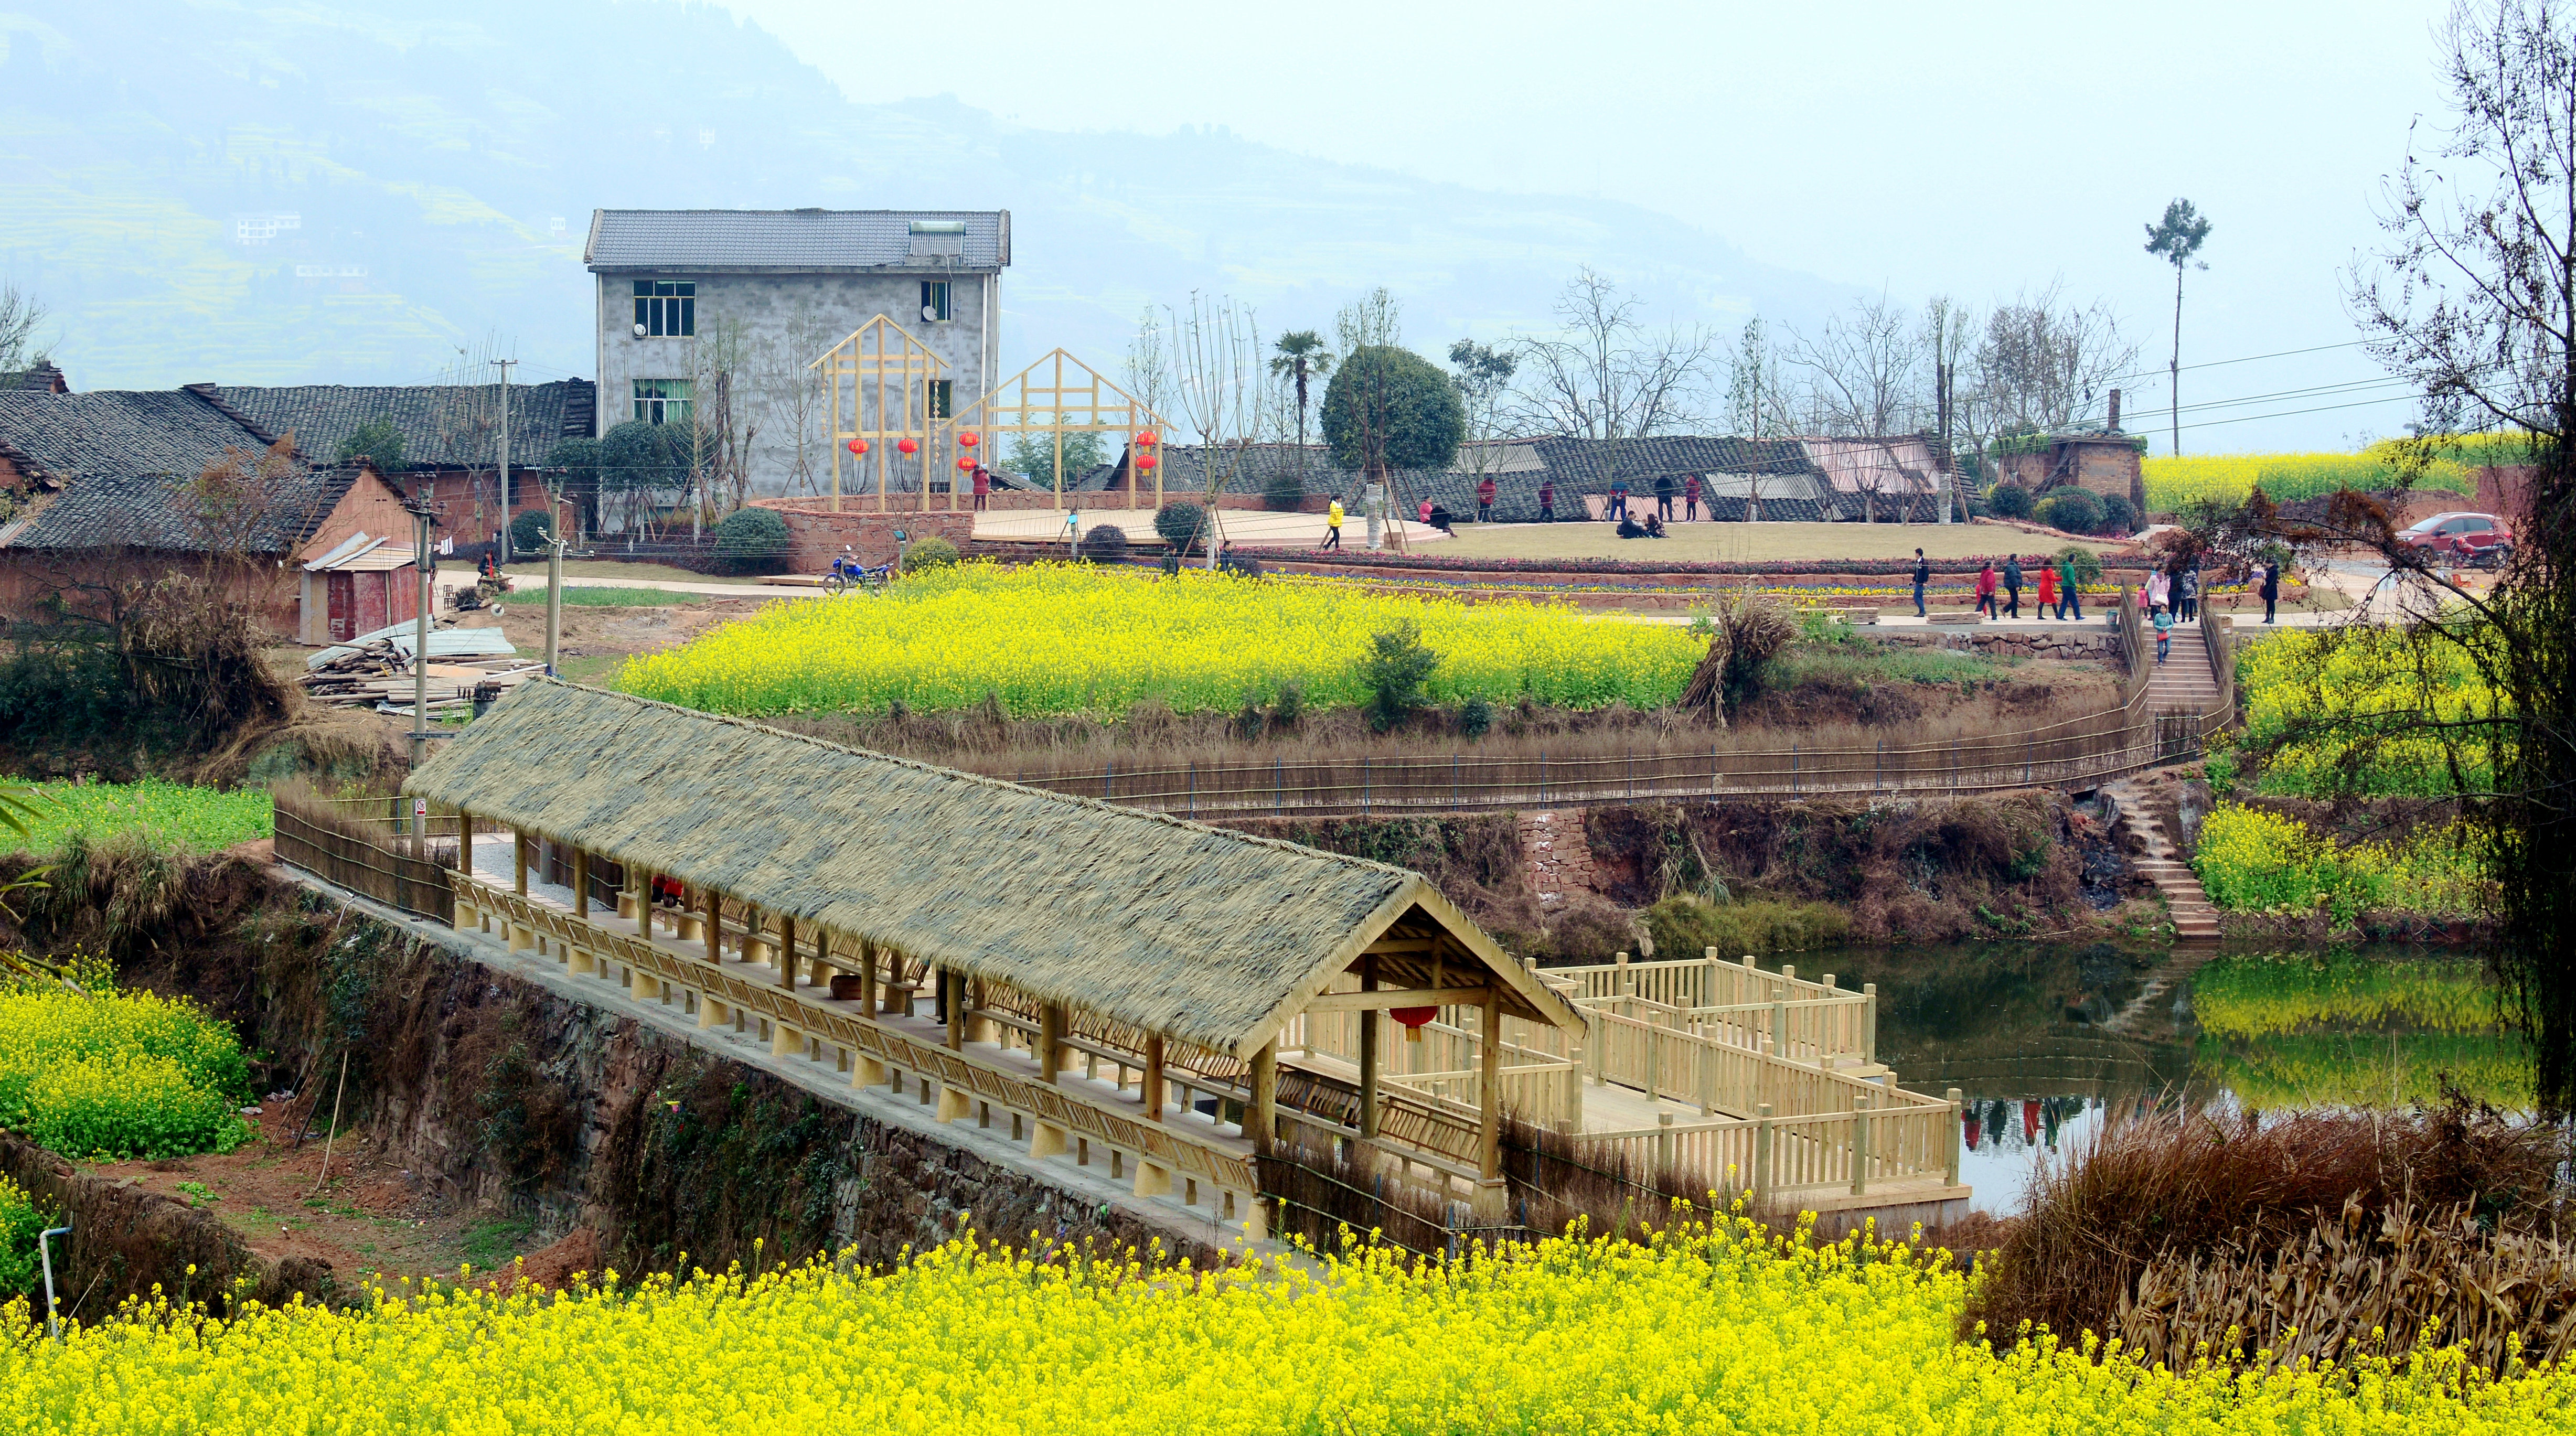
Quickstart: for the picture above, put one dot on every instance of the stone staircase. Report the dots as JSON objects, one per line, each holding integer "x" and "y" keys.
{"x": 2182, "y": 683}
{"x": 2193, "y": 916}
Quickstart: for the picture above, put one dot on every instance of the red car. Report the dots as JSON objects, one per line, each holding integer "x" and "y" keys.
{"x": 2474, "y": 538}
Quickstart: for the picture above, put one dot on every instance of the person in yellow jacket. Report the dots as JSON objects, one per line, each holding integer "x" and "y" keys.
{"x": 1333, "y": 524}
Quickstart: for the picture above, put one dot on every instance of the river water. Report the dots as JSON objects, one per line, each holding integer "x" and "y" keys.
{"x": 2047, "y": 1042}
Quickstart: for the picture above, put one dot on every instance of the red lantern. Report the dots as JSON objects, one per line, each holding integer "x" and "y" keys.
{"x": 965, "y": 462}
{"x": 1145, "y": 439}
{"x": 1413, "y": 1018}
{"x": 906, "y": 446}
{"x": 966, "y": 440}
{"x": 858, "y": 446}
{"x": 1145, "y": 462}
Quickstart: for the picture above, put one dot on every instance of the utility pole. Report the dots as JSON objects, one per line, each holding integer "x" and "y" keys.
{"x": 554, "y": 580}
{"x": 505, "y": 457}
{"x": 422, "y": 563}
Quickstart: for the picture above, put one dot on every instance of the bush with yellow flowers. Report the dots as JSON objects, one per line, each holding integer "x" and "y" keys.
{"x": 1709, "y": 1328}
{"x": 103, "y": 1073}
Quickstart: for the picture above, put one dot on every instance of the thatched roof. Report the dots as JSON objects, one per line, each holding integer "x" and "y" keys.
{"x": 1193, "y": 932}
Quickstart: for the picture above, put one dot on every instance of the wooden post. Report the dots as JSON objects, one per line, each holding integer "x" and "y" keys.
{"x": 1869, "y": 1022}
{"x": 953, "y": 989}
{"x": 1369, "y": 1024}
{"x": 519, "y": 862}
{"x": 715, "y": 927}
{"x": 1489, "y": 1090}
{"x": 1958, "y": 1136}
{"x": 1261, "y": 1122}
{"x": 1860, "y": 1146}
{"x": 1153, "y": 1086}
{"x": 581, "y": 883}
{"x": 1762, "y": 1154}
{"x": 787, "y": 952}
{"x": 868, "y": 979}
{"x": 1050, "y": 1053}
{"x": 644, "y": 904}
{"x": 464, "y": 841}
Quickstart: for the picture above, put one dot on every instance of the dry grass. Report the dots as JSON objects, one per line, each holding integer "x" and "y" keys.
{"x": 2203, "y": 1193}
{"x": 1746, "y": 543}
{"x": 609, "y": 568}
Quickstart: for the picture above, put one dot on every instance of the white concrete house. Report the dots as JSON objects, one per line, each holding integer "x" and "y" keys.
{"x": 699, "y": 307}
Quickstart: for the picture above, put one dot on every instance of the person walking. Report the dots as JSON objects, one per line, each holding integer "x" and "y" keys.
{"x": 2159, "y": 589}
{"x": 2072, "y": 597}
{"x": 1547, "y": 501}
{"x": 1618, "y": 499}
{"x": 1922, "y": 578}
{"x": 2164, "y": 633}
{"x": 1690, "y": 497}
{"x": 2048, "y": 589}
{"x": 2012, "y": 581}
{"x": 1333, "y": 524}
{"x": 1664, "y": 496}
{"x": 2189, "y": 584}
{"x": 1485, "y": 501}
{"x": 2271, "y": 588}
{"x": 1986, "y": 589}
{"x": 983, "y": 486}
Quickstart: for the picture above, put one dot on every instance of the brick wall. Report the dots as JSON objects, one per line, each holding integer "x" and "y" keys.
{"x": 815, "y": 533}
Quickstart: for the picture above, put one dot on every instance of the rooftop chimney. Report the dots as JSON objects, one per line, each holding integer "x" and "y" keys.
{"x": 2115, "y": 411}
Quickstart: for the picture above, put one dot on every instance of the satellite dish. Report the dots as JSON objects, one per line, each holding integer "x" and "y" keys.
{"x": 929, "y": 312}
{"x": 639, "y": 331}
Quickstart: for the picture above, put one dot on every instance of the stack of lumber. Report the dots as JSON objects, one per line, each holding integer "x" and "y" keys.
{"x": 375, "y": 669}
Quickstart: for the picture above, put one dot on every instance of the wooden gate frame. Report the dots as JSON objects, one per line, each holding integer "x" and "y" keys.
{"x": 874, "y": 351}
{"x": 997, "y": 413}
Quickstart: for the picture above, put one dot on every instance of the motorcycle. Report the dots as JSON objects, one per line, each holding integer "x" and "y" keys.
{"x": 848, "y": 574}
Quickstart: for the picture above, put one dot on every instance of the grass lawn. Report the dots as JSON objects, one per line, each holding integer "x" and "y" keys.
{"x": 1743, "y": 543}
{"x": 612, "y": 568}
{"x": 625, "y": 597}
{"x": 172, "y": 814}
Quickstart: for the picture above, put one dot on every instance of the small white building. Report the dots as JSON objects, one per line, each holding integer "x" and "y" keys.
{"x": 699, "y": 306}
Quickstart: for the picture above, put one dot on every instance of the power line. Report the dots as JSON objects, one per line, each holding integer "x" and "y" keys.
{"x": 2242, "y": 359}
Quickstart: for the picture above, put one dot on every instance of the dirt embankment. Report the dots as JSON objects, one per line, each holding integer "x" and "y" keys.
{"x": 483, "y": 1119}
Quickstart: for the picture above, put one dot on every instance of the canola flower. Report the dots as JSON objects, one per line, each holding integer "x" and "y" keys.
{"x": 174, "y": 815}
{"x": 1709, "y": 1328}
{"x": 2332, "y": 712}
{"x": 2172, "y": 482}
{"x": 1068, "y": 638}
{"x": 118, "y": 1074}
{"x": 2254, "y": 860}
{"x": 2291, "y": 1030}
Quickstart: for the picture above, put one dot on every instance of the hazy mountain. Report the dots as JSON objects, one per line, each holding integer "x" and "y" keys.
{"x": 212, "y": 191}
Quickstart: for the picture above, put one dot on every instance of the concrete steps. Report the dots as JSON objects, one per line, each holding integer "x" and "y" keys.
{"x": 2187, "y": 904}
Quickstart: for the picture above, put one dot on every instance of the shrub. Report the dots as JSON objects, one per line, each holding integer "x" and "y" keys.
{"x": 2076, "y": 511}
{"x": 1686, "y": 924}
{"x": 2008, "y": 501}
{"x": 378, "y": 442}
{"x": 2251, "y": 859}
{"x": 1283, "y": 491}
{"x": 2119, "y": 516}
{"x": 20, "y": 1221}
{"x": 1182, "y": 525}
{"x": 924, "y": 554}
{"x": 1475, "y": 717}
{"x": 1397, "y": 401}
{"x": 1241, "y": 565}
{"x": 1394, "y": 672}
{"x": 752, "y": 541}
{"x": 1591, "y": 932}
{"x": 2079, "y": 565}
{"x": 126, "y": 1074}
{"x": 1290, "y": 705}
{"x": 1106, "y": 543}
{"x": 529, "y": 532}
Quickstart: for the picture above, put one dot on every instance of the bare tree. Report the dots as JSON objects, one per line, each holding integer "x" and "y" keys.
{"x": 2044, "y": 363}
{"x": 1148, "y": 367}
{"x": 1219, "y": 383}
{"x": 2475, "y": 303}
{"x": 1755, "y": 398}
{"x": 1374, "y": 318}
{"x": 1864, "y": 370}
{"x": 791, "y": 396}
{"x": 1484, "y": 376}
{"x": 1949, "y": 333}
{"x": 1608, "y": 379}
{"x": 727, "y": 411}
{"x": 21, "y": 314}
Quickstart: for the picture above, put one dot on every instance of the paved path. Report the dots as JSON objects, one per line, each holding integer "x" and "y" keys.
{"x": 1253, "y": 528}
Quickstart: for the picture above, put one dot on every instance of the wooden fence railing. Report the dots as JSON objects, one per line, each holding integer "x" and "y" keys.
{"x": 416, "y": 885}
{"x": 2069, "y": 752}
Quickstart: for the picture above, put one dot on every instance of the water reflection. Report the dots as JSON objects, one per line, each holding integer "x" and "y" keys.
{"x": 2043, "y": 1041}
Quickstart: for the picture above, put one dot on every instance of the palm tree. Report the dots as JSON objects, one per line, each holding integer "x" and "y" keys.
{"x": 1300, "y": 356}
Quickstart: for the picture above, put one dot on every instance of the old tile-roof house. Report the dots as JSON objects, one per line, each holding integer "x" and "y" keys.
{"x": 109, "y": 492}
{"x": 451, "y": 441}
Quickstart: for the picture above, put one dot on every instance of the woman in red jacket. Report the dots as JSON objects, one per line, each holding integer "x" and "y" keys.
{"x": 2048, "y": 588}
{"x": 1986, "y": 591}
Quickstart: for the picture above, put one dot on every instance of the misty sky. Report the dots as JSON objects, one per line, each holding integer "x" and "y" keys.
{"x": 1973, "y": 149}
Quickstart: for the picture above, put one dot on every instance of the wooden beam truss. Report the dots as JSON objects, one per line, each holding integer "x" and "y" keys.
{"x": 879, "y": 385}
{"x": 1057, "y": 395}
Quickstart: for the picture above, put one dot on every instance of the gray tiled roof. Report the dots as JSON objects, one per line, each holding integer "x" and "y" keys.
{"x": 158, "y": 511}
{"x": 789, "y": 239}
{"x": 67, "y": 437}
{"x": 443, "y": 425}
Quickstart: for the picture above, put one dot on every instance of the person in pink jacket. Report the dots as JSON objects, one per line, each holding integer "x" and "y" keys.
{"x": 1986, "y": 590}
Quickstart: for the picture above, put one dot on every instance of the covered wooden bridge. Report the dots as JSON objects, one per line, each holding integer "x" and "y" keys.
{"x": 1104, "y": 981}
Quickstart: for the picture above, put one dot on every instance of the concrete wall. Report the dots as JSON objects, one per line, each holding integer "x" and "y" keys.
{"x": 815, "y": 534}
{"x": 790, "y": 320}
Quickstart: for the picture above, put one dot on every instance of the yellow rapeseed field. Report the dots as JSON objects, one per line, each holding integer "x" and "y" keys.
{"x": 1067, "y": 638}
{"x": 1715, "y": 1329}
{"x": 2172, "y": 482}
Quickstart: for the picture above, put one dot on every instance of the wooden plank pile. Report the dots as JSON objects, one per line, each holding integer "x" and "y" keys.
{"x": 375, "y": 672}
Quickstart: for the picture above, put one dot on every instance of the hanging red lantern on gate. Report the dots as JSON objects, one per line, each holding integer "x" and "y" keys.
{"x": 1145, "y": 462}
{"x": 858, "y": 446}
{"x": 967, "y": 440}
{"x": 1413, "y": 1018}
{"x": 1145, "y": 439}
{"x": 906, "y": 446}
{"x": 965, "y": 462}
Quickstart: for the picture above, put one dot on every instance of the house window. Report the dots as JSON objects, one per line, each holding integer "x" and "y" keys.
{"x": 666, "y": 307}
{"x": 662, "y": 401}
{"x": 940, "y": 397}
{"x": 934, "y": 300}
